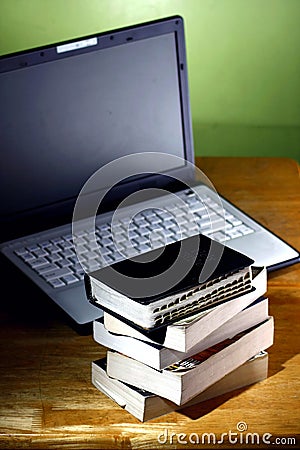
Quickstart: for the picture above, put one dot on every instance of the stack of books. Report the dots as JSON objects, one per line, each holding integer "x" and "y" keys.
{"x": 194, "y": 341}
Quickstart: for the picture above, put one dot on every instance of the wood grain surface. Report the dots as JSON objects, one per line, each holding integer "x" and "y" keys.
{"x": 47, "y": 399}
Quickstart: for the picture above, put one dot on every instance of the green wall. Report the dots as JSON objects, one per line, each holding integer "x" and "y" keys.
{"x": 243, "y": 58}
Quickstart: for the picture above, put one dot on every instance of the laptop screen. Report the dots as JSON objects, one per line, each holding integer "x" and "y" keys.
{"x": 78, "y": 106}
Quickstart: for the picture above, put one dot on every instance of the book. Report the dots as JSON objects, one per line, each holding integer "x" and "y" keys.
{"x": 146, "y": 406}
{"x": 163, "y": 285}
{"x": 160, "y": 357}
{"x": 184, "y": 334}
{"x": 184, "y": 380}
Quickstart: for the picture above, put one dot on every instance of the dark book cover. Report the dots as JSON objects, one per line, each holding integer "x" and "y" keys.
{"x": 197, "y": 260}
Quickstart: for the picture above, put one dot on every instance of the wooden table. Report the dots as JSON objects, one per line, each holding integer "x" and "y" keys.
{"x": 47, "y": 399}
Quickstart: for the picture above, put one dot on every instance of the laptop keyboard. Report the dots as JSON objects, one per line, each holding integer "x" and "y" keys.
{"x": 56, "y": 262}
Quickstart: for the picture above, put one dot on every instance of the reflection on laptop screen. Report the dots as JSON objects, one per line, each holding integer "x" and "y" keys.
{"x": 63, "y": 119}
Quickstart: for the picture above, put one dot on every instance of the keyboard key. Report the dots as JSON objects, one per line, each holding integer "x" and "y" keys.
{"x": 27, "y": 257}
{"x": 164, "y": 215}
{"x": 70, "y": 279}
{"x": 176, "y": 212}
{"x": 124, "y": 246}
{"x": 189, "y": 226}
{"x": 180, "y": 220}
{"x": 192, "y": 200}
{"x": 32, "y": 248}
{"x": 94, "y": 245}
{"x": 68, "y": 253}
{"x": 68, "y": 237}
{"x": 212, "y": 217}
{"x": 104, "y": 233}
{"x": 132, "y": 234}
{"x": 43, "y": 269}
{"x": 211, "y": 203}
{"x": 56, "y": 283}
{"x": 80, "y": 275}
{"x": 45, "y": 244}
{"x": 58, "y": 273}
{"x": 105, "y": 251}
{"x": 40, "y": 252}
{"x": 219, "y": 236}
{"x": 228, "y": 216}
{"x": 53, "y": 248}
{"x": 129, "y": 252}
{"x": 144, "y": 231}
{"x": 233, "y": 233}
{"x": 120, "y": 237}
{"x": 55, "y": 257}
{"x": 103, "y": 227}
{"x": 57, "y": 240}
{"x": 190, "y": 193}
{"x": 21, "y": 251}
{"x": 169, "y": 239}
{"x": 197, "y": 208}
{"x": 157, "y": 228}
{"x": 95, "y": 266}
{"x": 80, "y": 241}
{"x": 73, "y": 259}
{"x": 143, "y": 248}
{"x": 66, "y": 245}
{"x": 92, "y": 255}
{"x": 106, "y": 241}
{"x": 80, "y": 234}
{"x": 66, "y": 263}
{"x": 117, "y": 229}
{"x": 176, "y": 233}
{"x": 244, "y": 229}
{"x": 156, "y": 236}
{"x": 140, "y": 240}
{"x": 139, "y": 220}
{"x": 77, "y": 267}
{"x": 149, "y": 213}
{"x": 80, "y": 249}
{"x": 157, "y": 244}
{"x": 153, "y": 220}
{"x": 108, "y": 259}
{"x": 169, "y": 232}
{"x": 235, "y": 222}
{"x": 38, "y": 262}
{"x": 219, "y": 224}
{"x": 169, "y": 223}
{"x": 116, "y": 256}
{"x": 218, "y": 208}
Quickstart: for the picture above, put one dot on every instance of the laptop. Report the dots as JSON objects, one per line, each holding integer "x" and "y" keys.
{"x": 68, "y": 110}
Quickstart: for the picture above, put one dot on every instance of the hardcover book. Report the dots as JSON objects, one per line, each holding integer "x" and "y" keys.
{"x": 186, "y": 333}
{"x": 124, "y": 288}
